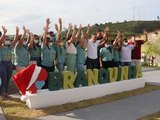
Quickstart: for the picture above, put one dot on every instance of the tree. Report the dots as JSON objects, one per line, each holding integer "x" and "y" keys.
{"x": 158, "y": 18}
{"x": 96, "y": 24}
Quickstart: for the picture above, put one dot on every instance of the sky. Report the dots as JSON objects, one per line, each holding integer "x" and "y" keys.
{"x": 32, "y": 13}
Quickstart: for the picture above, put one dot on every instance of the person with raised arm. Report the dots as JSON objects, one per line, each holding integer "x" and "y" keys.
{"x": 77, "y": 37}
{"x": 60, "y": 49}
{"x": 48, "y": 52}
{"x": 80, "y": 59}
{"x": 126, "y": 51}
{"x": 22, "y": 52}
{"x": 106, "y": 55}
{"x": 92, "y": 45}
{"x": 6, "y": 66}
{"x": 35, "y": 50}
{"x": 136, "y": 52}
{"x": 117, "y": 50}
{"x": 71, "y": 49}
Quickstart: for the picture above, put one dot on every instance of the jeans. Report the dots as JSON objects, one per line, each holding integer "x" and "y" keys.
{"x": 60, "y": 67}
{"x": 116, "y": 63}
{"x": 80, "y": 67}
{"x": 6, "y": 69}
{"x": 125, "y": 64}
{"x": 48, "y": 69}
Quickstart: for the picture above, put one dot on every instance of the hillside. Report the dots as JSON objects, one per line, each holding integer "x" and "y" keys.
{"x": 127, "y": 28}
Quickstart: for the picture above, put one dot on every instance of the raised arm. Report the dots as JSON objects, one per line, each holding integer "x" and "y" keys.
{"x": 56, "y": 27}
{"x": 69, "y": 31}
{"x": 15, "y": 37}
{"x": 87, "y": 32}
{"x": 31, "y": 41}
{"x": 22, "y": 38}
{"x": 73, "y": 35}
{"x": 116, "y": 39}
{"x": 28, "y": 37}
{"x": 45, "y": 32}
{"x": 2, "y": 39}
{"x": 81, "y": 43}
{"x": 79, "y": 31}
{"x": 59, "y": 30}
{"x": 60, "y": 24}
{"x": 146, "y": 35}
{"x": 105, "y": 36}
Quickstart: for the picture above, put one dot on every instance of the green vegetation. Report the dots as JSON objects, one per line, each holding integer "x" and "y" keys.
{"x": 154, "y": 116}
{"x": 126, "y": 28}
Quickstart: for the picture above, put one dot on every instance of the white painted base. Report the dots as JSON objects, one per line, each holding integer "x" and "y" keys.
{"x": 45, "y": 98}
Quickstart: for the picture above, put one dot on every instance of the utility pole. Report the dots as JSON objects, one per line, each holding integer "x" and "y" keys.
{"x": 139, "y": 13}
{"x": 134, "y": 8}
{"x": 134, "y": 13}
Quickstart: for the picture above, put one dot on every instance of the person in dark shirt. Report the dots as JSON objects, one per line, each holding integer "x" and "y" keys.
{"x": 136, "y": 52}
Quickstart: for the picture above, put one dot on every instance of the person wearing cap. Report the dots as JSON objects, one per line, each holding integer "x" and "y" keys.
{"x": 71, "y": 49}
{"x": 48, "y": 52}
{"x": 116, "y": 50}
{"x": 35, "y": 50}
{"x": 60, "y": 49}
{"x": 6, "y": 66}
{"x": 22, "y": 52}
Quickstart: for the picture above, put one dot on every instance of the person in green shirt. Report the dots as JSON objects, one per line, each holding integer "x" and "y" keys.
{"x": 48, "y": 52}
{"x": 60, "y": 49}
{"x": 80, "y": 54}
{"x": 116, "y": 50}
{"x": 106, "y": 55}
{"x": 71, "y": 49}
{"x": 6, "y": 66}
{"x": 22, "y": 52}
{"x": 35, "y": 50}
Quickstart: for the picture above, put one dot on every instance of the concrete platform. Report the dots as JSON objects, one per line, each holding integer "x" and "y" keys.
{"x": 45, "y": 98}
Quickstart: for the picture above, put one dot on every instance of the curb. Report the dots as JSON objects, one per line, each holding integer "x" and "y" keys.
{"x": 2, "y": 115}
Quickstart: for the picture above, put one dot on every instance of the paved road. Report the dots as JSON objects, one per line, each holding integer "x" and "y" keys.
{"x": 130, "y": 108}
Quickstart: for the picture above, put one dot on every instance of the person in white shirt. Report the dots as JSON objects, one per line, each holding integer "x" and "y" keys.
{"x": 92, "y": 45}
{"x": 71, "y": 49}
{"x": 126, "y": 50}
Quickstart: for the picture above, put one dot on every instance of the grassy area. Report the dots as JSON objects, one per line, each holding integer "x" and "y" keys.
{"x": 14, "y": 109}
{"x": 154, "y": 116}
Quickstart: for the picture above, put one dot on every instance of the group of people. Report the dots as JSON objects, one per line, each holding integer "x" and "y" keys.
{"x": 78, "y": 49}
